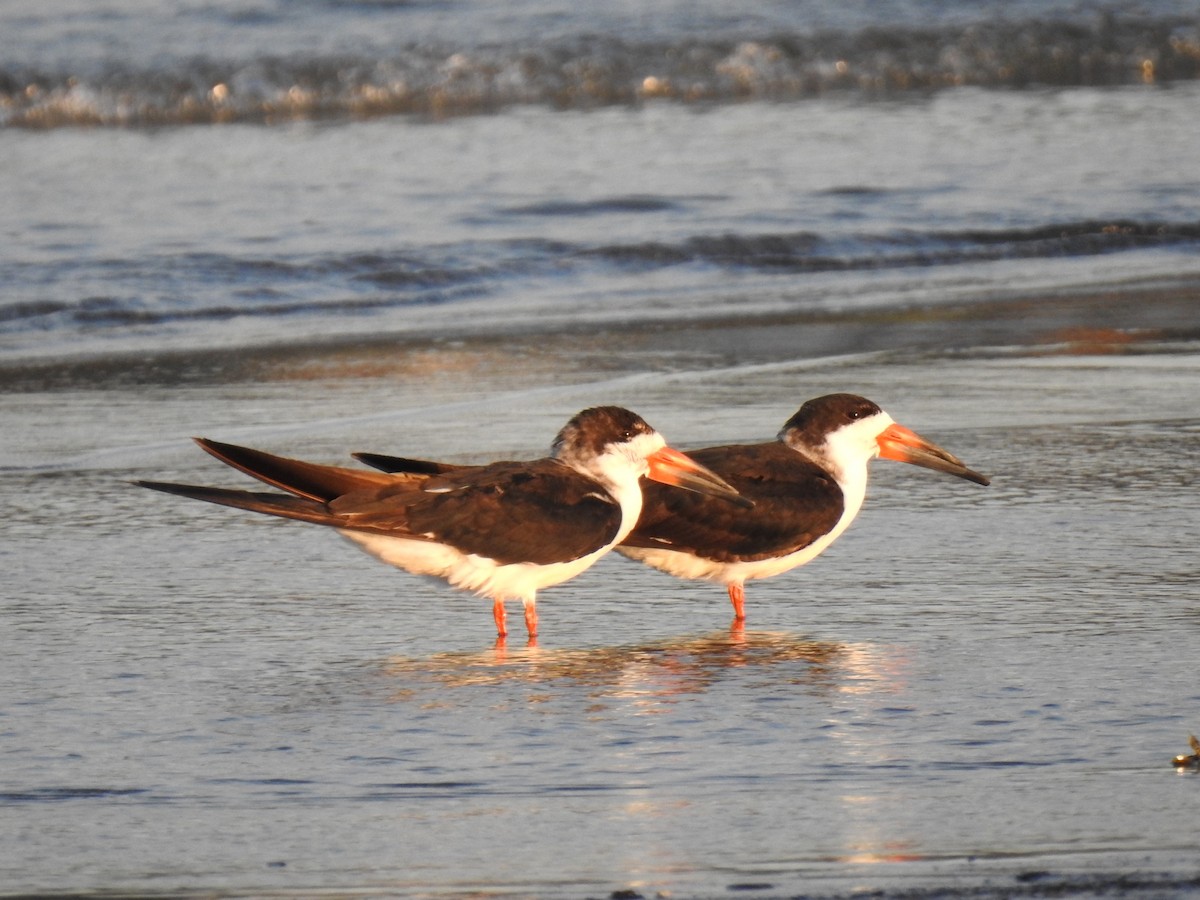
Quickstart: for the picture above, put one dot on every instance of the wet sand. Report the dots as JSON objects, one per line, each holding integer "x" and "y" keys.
{"x": 1112, "y": 320}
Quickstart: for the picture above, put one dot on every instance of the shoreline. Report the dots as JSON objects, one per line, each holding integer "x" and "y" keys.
{"x": 1089, "y": 321}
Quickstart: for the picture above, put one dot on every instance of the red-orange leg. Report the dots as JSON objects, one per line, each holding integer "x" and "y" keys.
{"x": 737, "y": 596}
{"x": 500, "y": 616}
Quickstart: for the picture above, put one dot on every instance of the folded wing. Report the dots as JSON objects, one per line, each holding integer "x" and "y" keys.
{"x": 541, "y": 512}
{"x": 795, "y": 502}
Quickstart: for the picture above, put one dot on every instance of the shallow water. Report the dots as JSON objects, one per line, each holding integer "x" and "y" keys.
{"x": 973, "y": 686}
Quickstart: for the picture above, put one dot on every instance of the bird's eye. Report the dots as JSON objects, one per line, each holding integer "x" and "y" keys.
{"x": 855, "y": 414}
{"x": 627, "y": 435}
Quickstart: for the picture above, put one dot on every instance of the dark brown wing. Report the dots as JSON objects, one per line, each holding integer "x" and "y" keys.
{"x": 538, "y": 512}
{"x": 310, "y": 485}
{"x": 795, "y": 502}
{"x": 283, "y": 505}
{"x": 305, "y": 479}
{"x": 406, "y": 465}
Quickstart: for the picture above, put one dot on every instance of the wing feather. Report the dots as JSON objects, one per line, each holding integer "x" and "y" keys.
{"x": 284, "y": 505}
{"x": 539, "y": 512}
{"x": 795, "y": 502}
{"x": 305, "y": 479}
{"x": 401, "y": 464}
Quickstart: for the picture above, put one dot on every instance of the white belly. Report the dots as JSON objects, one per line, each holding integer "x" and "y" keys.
{"x": 686, "y": 565}
{"x": 483, "y": 576}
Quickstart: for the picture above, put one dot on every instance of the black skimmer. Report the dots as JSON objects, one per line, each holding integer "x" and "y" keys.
{"x": 503, "y": 530}
{"x": 807, "y": 487}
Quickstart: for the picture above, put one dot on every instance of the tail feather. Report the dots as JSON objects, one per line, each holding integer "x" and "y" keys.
{"x": 304, "y": 479}
{"x": 284, "y": 505}
{"x": 400, "y": 465}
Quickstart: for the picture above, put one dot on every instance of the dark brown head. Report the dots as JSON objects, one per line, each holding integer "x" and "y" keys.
{"x": 818, "y": 418}
{"x": 592, "y": 431}
{"x": 616, "y": 447}
{"x": 843, "y": 432}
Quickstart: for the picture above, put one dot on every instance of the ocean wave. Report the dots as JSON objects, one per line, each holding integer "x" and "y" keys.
{"x": 586, "y": 72}
{"x": 221, "y": 287}
{"x": 808, "y": 252}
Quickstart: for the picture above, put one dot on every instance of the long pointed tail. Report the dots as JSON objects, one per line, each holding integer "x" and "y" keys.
{"x": 406, "y": 466}
{"x": 304, "y": 479}
{"x": 284, "y": 505}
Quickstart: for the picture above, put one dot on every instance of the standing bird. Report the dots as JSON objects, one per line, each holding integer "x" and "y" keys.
{"x": 503, "y": 530}
{"x": 807, "y": 487}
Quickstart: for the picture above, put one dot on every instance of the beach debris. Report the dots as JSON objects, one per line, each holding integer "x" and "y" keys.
{"x": 1192, "y": 760}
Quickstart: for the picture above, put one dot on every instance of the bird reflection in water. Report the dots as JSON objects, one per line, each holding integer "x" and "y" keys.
{"x": 654, "y": 672}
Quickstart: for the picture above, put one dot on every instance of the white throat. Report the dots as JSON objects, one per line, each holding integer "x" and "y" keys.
{"x": 619, "y": 468}
{"x": 846, "y": 455}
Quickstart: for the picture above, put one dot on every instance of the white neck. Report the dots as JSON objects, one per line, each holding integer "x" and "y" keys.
{"x": 619, "y": 469}
{"x": 846, "y": 454}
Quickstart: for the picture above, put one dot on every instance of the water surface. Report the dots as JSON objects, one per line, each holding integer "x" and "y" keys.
{"x": 442, "y": 229}
{"x": 971, "y": 686}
